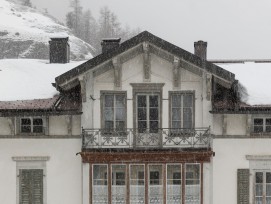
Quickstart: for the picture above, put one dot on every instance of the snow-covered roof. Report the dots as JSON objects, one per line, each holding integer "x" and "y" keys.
{"x": 26, "y": 79}
{"x": 255, "y": 77}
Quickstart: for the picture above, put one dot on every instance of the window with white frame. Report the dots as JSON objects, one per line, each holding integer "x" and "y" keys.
{"x": 31, "y": 125}
{"x": 113, "y": 111}
{"x": 192, "y": 183}
{"x": 262, "y": 187}
{"x": 148, "y": 112}
{"x": 181, "y": 109}
{"x": 173, "y": 182}
{"x": 261, "y": 124}
{"x": 258, "y": 177}
{"x": 147, "y": 106}
{"x": 99, "y": 188}
{"x": 155, "y": 193}
{"x": 118, "y": 183}
{"x": 137, "y": 183}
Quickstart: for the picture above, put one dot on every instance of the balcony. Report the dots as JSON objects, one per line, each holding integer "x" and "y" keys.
{"x": 138, "y": 139}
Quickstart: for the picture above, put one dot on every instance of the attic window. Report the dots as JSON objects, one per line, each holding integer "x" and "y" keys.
{"x": 31, "y": 125}
{"x": 261, "y": 125}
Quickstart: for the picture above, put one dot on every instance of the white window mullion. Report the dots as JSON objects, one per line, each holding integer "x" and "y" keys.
{"x": 264, "y": 124}
{"x": 264, "y": 187}
{"x": 114, "y": 112}
{"x": 148, "y": 111}
{"x": 31, "y": 119}
{"x": 182, "y": 111}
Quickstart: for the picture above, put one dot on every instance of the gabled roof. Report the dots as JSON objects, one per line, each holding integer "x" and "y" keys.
{"x": 154, "y": 40}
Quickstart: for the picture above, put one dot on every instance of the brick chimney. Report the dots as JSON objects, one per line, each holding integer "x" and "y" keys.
{"x": 110, "y": 43}
{"x": 200, "y": 49}
{"x": 59, "y": 50}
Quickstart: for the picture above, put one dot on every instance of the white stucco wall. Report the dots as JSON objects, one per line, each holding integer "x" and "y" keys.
{"x": 230, "y": 155}
{"x": 161, "y": 72}
{"x": 58, "y": 125}
{"x": 63, "y": 168}
{"x": 235, "y": 124}
{"x": 217, "y": 124}
{"x": 4, "y": 127}
{"x": 76, "y": 125}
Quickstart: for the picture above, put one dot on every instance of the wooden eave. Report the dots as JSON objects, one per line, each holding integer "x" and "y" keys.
{"x": 141, "y": 156}
{"x": 37, "y": 112}
{"x": 249, "y": 110}
{"x": 159, "y": 47}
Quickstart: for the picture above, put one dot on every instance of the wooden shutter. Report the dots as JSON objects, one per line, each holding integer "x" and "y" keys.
{"x": 243, "y": 186}
{"x": 31, "y": 186}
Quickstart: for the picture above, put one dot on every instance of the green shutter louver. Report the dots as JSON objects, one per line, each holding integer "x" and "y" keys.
{"x": 31, "y": 186}
{"x": 243, "y": 186}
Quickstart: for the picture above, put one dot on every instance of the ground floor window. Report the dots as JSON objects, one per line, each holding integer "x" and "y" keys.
{"x": 262, "y": 187}
{"x": 100, "y": 189}
{"x": 137, "y": 183}
{"x": 147, "y": 183}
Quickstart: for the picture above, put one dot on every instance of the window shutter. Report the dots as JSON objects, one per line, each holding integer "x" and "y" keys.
{"x": 243, "y": 186}
{"x": 31, "y": 186}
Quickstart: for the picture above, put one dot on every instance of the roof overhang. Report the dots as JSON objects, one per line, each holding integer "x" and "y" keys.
{"x": 133, "y": 47}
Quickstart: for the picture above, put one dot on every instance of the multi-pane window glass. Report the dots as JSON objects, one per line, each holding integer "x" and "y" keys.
{"x": 25, "y": 125}
{"x": 118, "y": 183}
{"x": 192, "y": 183}
{"x": 181, "y": 182}
{"x": 174, "y": 183}
{"x": 100, "y": 188}
{"x": 155, "y": 184}
{"x": 147, "y": 113}
{"x": 31, "y": 125}
{"x": 263, "y": 187}
{"x": 137, "y": 184}
{"x": 182, "y": 110}
{"x": 262, "y": 124}
{"x": 37, "y": 125}
{"x": 114, "y": 112}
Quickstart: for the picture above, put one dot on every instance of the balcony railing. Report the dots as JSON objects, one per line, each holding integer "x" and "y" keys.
{"x": 135, "y": 138}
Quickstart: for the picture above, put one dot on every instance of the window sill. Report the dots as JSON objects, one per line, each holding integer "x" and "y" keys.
{"x": 260, "y": 134}
{"x": 31, "y": 134}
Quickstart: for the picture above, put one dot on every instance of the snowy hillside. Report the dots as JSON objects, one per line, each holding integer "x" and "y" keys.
{"x": 24, "y": 33}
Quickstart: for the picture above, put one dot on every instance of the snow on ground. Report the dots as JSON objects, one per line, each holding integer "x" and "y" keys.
{"x": 23, "y": 79}
{"x": 256, "y": 78}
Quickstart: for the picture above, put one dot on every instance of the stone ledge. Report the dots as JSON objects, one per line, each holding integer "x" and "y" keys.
{"x": 30, "y": 158}
{"x": 258, "y": 157}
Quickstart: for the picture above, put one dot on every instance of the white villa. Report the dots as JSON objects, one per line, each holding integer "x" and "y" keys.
{"x": 143, "y": 122}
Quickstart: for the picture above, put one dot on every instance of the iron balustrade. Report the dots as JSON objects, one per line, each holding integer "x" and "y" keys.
{"x": 136, "y": 138}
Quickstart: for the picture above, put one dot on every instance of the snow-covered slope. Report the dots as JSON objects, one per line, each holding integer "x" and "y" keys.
{"x": 26, "y": 79}
{"x": 24, "y": 33}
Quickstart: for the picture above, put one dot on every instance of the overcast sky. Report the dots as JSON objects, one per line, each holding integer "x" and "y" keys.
{"x": 233, "y": 28}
